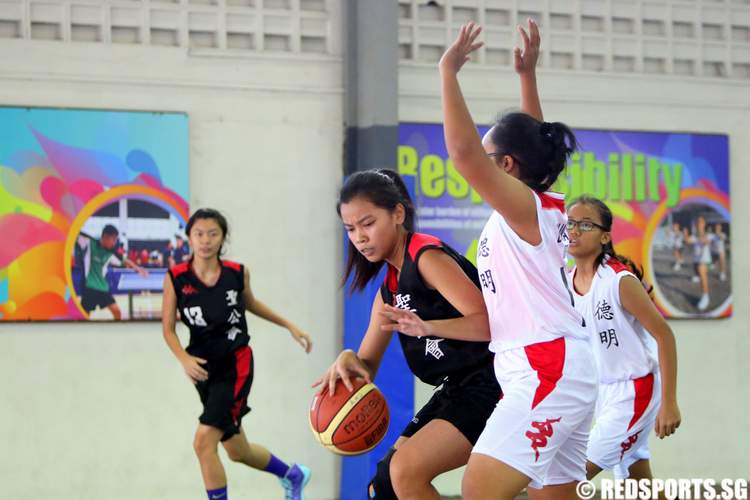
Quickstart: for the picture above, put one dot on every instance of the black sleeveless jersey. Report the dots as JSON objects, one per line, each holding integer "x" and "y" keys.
{"x": 432, "y": 358}
{"x": 215, "y": 314}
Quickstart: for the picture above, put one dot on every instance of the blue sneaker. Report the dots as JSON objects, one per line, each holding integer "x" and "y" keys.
{"x": 294, "y": 482}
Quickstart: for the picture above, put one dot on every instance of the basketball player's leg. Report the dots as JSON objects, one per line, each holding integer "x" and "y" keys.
{"x": 251, "y": 454}
{"x": 592, "y": 470}
{"x": 205, "y": 444}
{"x": 487, "y": 477}
{"x": 703, "y": 273}
{"x": 436, "y": 448}
{"x": 641, "y": 469}
{"x": 260, "y": 458}
{"x": 565, "y": 491}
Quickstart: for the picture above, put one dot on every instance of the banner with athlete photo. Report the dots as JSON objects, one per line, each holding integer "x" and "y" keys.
{"x": 669, "y": 193}
{"x": 92, "y": 210}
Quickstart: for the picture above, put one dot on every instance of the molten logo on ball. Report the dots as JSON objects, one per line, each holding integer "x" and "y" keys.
{"x": 350, "y": 423}
{"x": 362, "y": 416}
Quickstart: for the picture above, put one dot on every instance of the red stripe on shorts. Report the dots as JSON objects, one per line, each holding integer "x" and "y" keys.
{"x": 242, "y": 357}
{"x": 644, "y": 391}
{"x": 547, "y": 360}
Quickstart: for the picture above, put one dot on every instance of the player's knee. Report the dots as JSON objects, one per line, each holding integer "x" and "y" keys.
{"x": 380, "y": 487}
{"x": 204, "y": 445}
{"x": 235, "y": 454}
{"x": 406, "y": 474}
{"x": 470, "y": 486}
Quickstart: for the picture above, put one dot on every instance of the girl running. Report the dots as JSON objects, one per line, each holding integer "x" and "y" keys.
{"x": 538, "y": 432}
{"x": 633, "y": 345}
{"x": 701, "y": 242}
{"x": 719, "y": 247}
{"x": 211, "y": 296}
{"x": 441, "y": 323}
{"x": 675, "y": 244}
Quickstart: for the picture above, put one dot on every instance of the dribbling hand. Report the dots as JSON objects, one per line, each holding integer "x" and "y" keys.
{"x": 346, "y": 366}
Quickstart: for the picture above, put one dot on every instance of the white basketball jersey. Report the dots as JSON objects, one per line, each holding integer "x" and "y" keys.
{"x": 623, "y": 349}
{"x": 525, "y": 287}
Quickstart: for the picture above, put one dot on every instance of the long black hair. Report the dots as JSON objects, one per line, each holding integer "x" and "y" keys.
{"x": 213, "y": 214}
{"x": 608, "y": 249}
{"x": 385, "y": 189}
{"x": 541, "y": 149}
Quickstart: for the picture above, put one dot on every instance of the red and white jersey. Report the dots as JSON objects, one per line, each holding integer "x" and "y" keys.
{"x": 525, "y": 286}
{"x": 623, "y": 349}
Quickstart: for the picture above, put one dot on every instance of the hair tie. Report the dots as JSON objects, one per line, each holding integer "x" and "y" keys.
{"x": 546, "y": 129}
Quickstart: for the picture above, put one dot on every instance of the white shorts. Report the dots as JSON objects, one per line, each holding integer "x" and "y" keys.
{"x": 541, "y": 425}
{"x": 702, "y": 255}
{"x": 625, "y": 416}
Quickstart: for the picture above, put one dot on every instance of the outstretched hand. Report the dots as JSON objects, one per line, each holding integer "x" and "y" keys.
{"x": 457, "y": 54}
{"x": 301, "y": 338}
{"x": 405, "y": 322}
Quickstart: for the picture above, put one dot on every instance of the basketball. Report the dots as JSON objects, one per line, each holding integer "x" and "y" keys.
{"x": 350, "y": 423}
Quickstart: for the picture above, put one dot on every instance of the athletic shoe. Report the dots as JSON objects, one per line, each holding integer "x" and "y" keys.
{"x": 703, "y": 303}
{"x": 294, "y": 482}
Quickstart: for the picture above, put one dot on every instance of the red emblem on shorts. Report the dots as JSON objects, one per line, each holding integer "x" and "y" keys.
{"x": 189, "y": 290}
{"x": 628, "y": 443}
{"x": 539, "y": 439}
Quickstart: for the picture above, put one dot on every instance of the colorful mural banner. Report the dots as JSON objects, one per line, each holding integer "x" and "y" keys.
{"x": 60, "y": 170}
{"x": 669, "y": 193}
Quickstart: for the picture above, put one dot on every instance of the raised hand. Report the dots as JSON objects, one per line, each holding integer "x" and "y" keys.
{"x": 524, "y": 59}
{"x": 458, "y": 53}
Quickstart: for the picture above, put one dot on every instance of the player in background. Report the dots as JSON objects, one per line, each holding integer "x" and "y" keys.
{"x": 633, "y": 344}
{"x": 212, "y": 295}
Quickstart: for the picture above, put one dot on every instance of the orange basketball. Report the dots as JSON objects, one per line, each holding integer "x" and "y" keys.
{"x": 350, "y": 423}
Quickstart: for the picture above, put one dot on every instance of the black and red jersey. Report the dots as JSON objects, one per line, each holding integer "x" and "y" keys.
{"x": 431, "y": 359}
{"x": 215, "y": 314}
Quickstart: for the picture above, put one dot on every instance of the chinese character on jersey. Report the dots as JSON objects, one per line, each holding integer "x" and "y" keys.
{"x": 234, "y": 317}
{"x": 431, "y": 347}
{"x": 232, "y": 333}
{"x": 484, "y": 250}
{"x": 487, "y": 281}
{"x": 231, "y": 297}
{"x": 403, "y": 300}
{"x": 609, "y": 337}
{"x": 603, "y": 310}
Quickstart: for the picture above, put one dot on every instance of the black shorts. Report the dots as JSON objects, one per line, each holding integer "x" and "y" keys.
{"x": 224, "y": 394}
{"x": 465, "y": 401}
{"x": 91, "y": 299}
